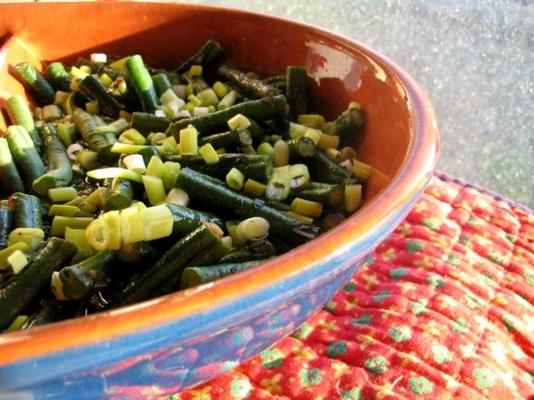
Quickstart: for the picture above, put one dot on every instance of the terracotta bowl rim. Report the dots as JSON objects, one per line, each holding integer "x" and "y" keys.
{"x": 404, "y": 186}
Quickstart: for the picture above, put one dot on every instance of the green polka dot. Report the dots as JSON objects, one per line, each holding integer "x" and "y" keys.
{"x": 484, "y": 377}
{"x": 370, "y": 261}
{"x": 497, "y": 258}
{"x": 364, "y": 319}
{"x": 417, "y": 307}
{"x": 352, "y": 394}
{"x": 400, "y": 333}
{"x": 303, "y": 331}
{"x": 397, "y": 273}
{"x": 472, "y": 301}
{"x": 350, "y": 287}
{"x": 376, "y": 365}
{"x": 383, "y": 295}
{"x": 271, "y": 358}
{"x": 414, "y": 246}
{"x": 465, "y": 240}
{"x": 310, "y": 377}
{"x": 432, "y": 223}
{"x": 337, "y": 348}
{"x": 529, "y": 276}
{"x": 441, "y": 354}
{"x": 453, "y": 259}
{"x": 240, "y": 388}
{"x": 435, "y": 281}
{"x": 509, "y": 324}
{"x": 420, "y": 385}
{"x": 474, "y": 221}
{"x": 459, "y": 325}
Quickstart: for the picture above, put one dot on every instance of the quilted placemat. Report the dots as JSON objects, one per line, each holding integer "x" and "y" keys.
{"x": 443, "y": 309}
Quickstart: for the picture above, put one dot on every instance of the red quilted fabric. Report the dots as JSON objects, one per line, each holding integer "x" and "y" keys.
{"x": 443, "y": 309}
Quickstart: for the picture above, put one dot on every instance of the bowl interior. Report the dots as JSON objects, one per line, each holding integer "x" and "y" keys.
{"x": 165, "y": 34}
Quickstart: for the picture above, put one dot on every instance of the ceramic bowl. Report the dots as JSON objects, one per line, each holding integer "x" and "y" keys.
{"x": 170, "y": 343}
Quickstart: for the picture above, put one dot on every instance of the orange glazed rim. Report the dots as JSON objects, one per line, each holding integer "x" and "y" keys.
{"x": 404, "y": 186}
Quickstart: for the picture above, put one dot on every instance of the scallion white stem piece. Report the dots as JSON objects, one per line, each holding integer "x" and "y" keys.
{"x": 135, "y": 162}
{"x": 99, "y": 58}
{"x": 113, "y": 172}
{"x": 178, "y": 196}
{"x": 255, "y": 228}
{"x": 74, "y": 149}
{"x": 238, "y": 121}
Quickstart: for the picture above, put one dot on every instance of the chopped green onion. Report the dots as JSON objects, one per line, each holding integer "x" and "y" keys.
{"x": 79, "y": 239}
{"x": 194, "y": 100}
{"x": 307, "y": 207}
{"x": 124, "y": 148}
{"x": 208, "y": 97}
{"x": 156, "y": 138}
{"x": 281, "y": 153}
{"x": 131, "y": 136}
{"x": 300, "y": 217}
{"x": 154, "y": 188}
{"x": 177, "y": 196}
{"x": 254, "y": 188}
{"x": 170, "y": 173}
{"x": 135, "y": 163}
{"x": 189, "y": 140}
{"x": 195, "y": 70}
{"x": 238, "y": 121}
{"x": 353, "y": 197}
{"x": 113, "y": 172}
{"x": 158, "y": 222}
{"x": 88, "y": 159}
{"x": 296, "y": 130}
{"x": 228, "y": 100}
{"x": 208, "y": 153}
{"x": 199, "y": 111}
{"x": 278, "y": 185}
{"x": 32, "y": 237}
{"x": 315, "y": 121}
{"x": 169, "y": 96}
{"x": 51, "y": 112}
{"x": 60, "y": 223}
{"x": 18, "y": 261}
{"x": 5, "y": 253}
{"x": 66, "y": 211}
{"x": 17, "y": 323}
{"x": 220, "y": 89}
{"x": 299, "y": 175}
{"x": 62, "y": 194}
{"x": 255, "y": 228}
{"x": 266, "y": 148}
{"x": 235, "y": 179}
{"x": 155, "y": 167}
{"x": 106, "y": 80}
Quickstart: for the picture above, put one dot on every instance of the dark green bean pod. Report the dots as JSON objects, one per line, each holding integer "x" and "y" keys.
{"x": 28, "y": 211}
{"x": 25, "y": 154}
{"x": 256, "y": 166}
{"x": 228, "y": 140}
{"x": 78, "y": 280}
{"x": 208, "y": 190}
{"x": 329, "y": 194}
{"x": 296, "y": 91}
{"x": 9, "y": 174}
{"x": 161, "y": 82}
{"x": 58, "y": 76}
{"x": 143, "y": 83}
{"x": 94, "y": 89}
{"x": 301, "y": 148}
{"x": 146, "y": 123}
{"x": 257, "y": 250}
{"x": 170, "y": 264}
{"x": 120, "y": 194}
{"x": 34, "y": 279}
{"x": 262, "y": 109}
{"x": 35, "y": 83}
{"x": 323, "y": 169}
{"x": 100, "y": 142}
{"x": 209, "y": 52}
{"x": 59, "y": 168}
{"x": 194, "y": 276}
{"x": 349, "y": 122}
{"x": 253, "y": 88}
{"x": 186, "y": 220}
{"x": 6, "y": 221}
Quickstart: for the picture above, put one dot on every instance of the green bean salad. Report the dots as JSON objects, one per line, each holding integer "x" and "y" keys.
{"x": 127, "y": 182}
